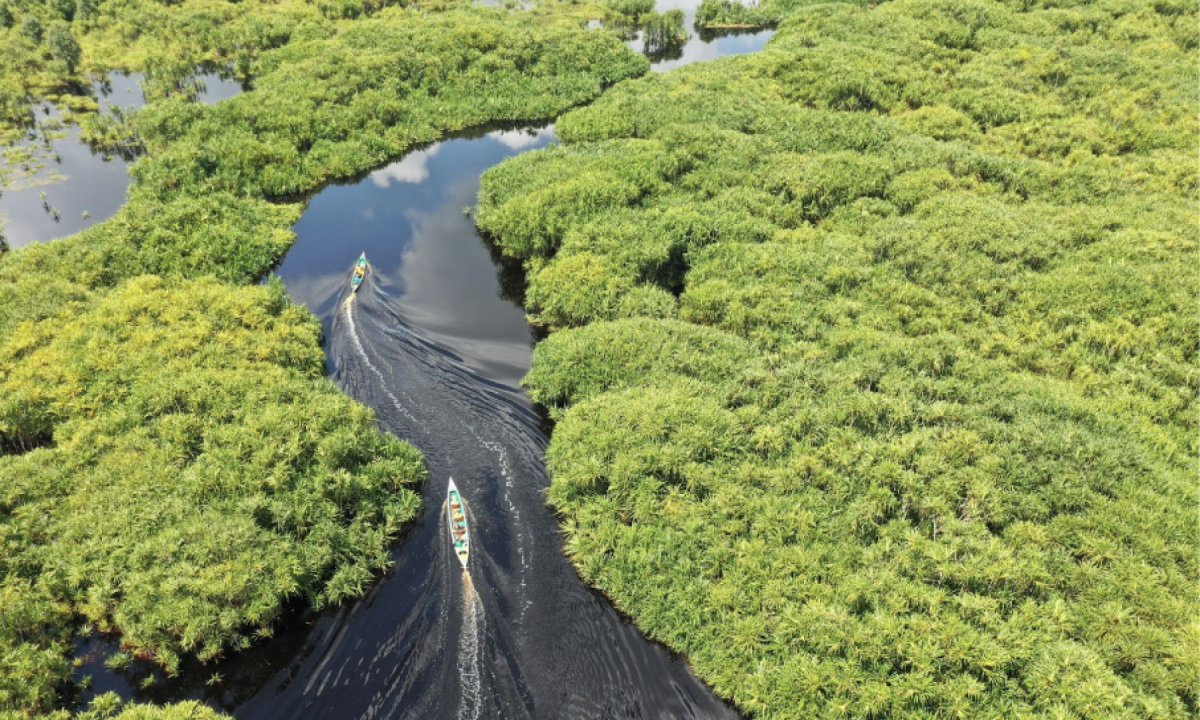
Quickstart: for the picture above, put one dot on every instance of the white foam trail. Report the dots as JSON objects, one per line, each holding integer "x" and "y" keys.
{"x": 471, "y": 705}
{"x": 506, "y": 473}
{"x": 348, "y": 306}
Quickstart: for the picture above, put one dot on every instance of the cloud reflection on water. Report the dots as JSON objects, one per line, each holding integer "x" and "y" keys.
{"x": 414, "y": 168}
{"x": 521, "y": 139}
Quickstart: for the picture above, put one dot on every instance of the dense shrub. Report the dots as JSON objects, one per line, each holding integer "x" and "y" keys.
{"x": 748, "y": 13}
{"x": 927, "y": 445}
{"x": 632, "y": 8}
{"x": 194, "y": 471}
{"x": 328, "y": 108}
{"x": 63, "y": 46}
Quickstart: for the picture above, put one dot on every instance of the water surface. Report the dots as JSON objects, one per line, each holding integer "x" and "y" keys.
{"x": 709, "y": 45}
{"x": 85, "y": 186}
{"x": 409, "y": 219}
{"x": 435, "y": 341}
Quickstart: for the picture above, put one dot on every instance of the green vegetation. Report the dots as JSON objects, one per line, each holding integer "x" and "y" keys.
{"x": 178, "y": 468}
{"x": 632, "y": 8}
{"x": 914, "y": 434}
{"x": 165, "y": 41}
{"x": 110, "y": 707}
{"x": 662, "y": 34}
{"x": 54, "y": 47}
{"x": 663, "y": 31}
{"x": 63, "y": 46}
{"x": 321, "y": 109}
{"x": 739, "y": 14}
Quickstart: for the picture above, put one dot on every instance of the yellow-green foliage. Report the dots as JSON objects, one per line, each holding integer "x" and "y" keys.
{"x": 909, "y": 428}
{"x": 173, "y": 467}
{"x": 186, "y": 468}
{"x": 321, "y": 109}
{"x": 328, "y": 108}
{"x": 165, "y": 41}
{"x": 740, "y": 14}
{"x": 109, "y": 706}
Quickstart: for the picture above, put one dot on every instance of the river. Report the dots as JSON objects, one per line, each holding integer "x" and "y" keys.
{"x": 436, "y": 341}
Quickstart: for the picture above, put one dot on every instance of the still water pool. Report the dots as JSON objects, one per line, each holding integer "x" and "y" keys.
{"x": 83, "y": 185}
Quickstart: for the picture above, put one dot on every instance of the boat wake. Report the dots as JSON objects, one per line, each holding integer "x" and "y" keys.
{"x": 519, "y": 636}
{"x": 471, "y": 707}
{"x": 352, "y": 331}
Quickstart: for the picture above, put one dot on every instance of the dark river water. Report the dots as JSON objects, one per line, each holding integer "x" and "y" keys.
{"x": 436, "y": 342}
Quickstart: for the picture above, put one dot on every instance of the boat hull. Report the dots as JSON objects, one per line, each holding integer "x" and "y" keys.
{"x": 360, "y": 272}
{"x": 456, "y": 514}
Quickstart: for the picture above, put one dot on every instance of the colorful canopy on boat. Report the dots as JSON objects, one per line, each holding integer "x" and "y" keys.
{"x": 456, "y": 511}
{"x": 360, "y": 272}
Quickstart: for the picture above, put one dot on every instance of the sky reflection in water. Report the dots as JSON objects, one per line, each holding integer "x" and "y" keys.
{"x": 90, "y": 183}
{"x": 408, "y": 217}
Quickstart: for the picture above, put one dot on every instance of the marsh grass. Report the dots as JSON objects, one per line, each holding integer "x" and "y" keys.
{"x": 873, "y": 358}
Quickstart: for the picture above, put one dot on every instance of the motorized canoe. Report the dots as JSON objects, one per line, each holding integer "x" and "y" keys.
{"x": 456, "y": 511}
{"x": 360, "y": 272}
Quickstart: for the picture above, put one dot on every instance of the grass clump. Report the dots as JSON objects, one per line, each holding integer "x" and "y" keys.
{"x": 913, "y": 432}
{"x": 196, "y": 471}
{"x": 717, "y": 14}
{"x": 109, "y": 706}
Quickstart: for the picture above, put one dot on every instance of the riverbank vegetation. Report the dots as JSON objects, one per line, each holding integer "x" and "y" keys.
{"x": 874, "y": 358}
{"x": 175, "y": 469}
{"x": 56, "y": 48}
{"x": 715, "y": 14}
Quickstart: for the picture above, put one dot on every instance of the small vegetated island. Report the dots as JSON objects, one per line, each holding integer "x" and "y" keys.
{"x": 174, "y": 467}
{"x": 874, "y": 356}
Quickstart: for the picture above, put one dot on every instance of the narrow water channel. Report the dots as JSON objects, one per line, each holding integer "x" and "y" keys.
{"x": 436, "y": 342}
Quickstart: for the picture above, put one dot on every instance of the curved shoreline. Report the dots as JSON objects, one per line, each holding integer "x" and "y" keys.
{"x": 198, "y": 230}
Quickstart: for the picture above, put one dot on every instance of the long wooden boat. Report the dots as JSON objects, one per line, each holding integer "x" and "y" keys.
{"x": 456, "y": 512}
{"x": 360, "y": 272}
